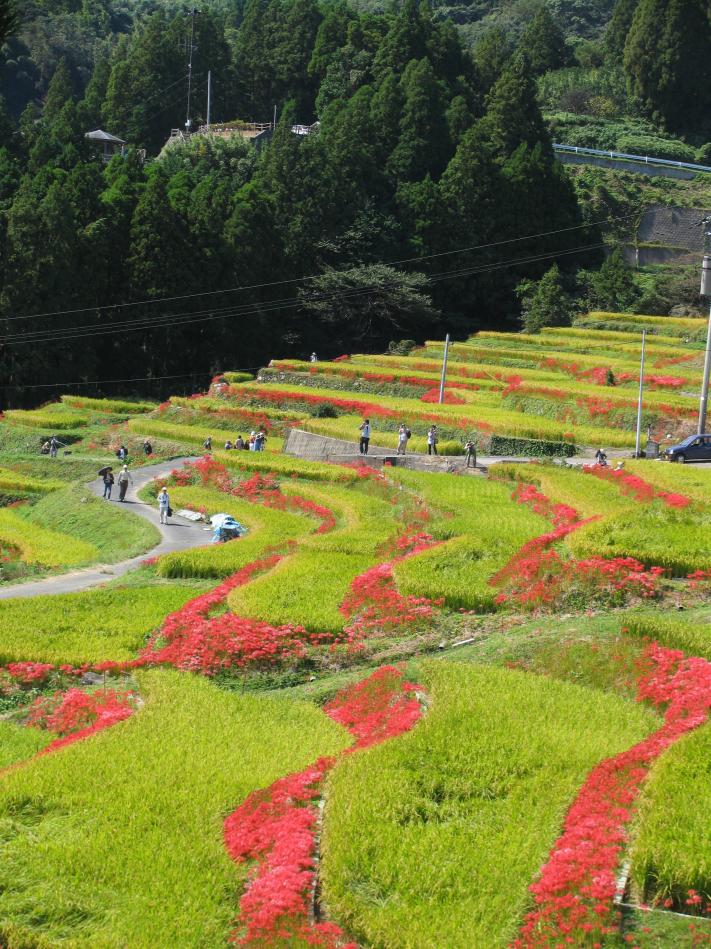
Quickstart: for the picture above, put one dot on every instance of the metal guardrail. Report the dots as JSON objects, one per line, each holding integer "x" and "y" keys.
{"x": 644, "y": 159}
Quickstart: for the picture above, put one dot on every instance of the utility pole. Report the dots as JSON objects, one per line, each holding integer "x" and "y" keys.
{"x": 188, "y": 119}
{"x": 444, "y": 369}
{"x": 706, "y": 293}
{"x": 638, "y": 441}
{"x": 274, "y": 121}
{"x": 209, "y": 97}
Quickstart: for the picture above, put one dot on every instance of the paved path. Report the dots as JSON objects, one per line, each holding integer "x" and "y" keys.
{"x": 177, "y": 535}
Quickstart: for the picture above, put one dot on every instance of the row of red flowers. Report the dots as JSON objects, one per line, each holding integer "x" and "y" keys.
{"x": 259, "y": 489}
{"x": 537, "y": 576}
{"x": 635, "y": 486}
{"x": 361, "y": 407}
{"x": 575, "y": 891}
{"x": 277, "y": 828}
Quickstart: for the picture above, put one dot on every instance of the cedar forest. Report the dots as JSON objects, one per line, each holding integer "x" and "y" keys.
{"x": 432, "y": 139}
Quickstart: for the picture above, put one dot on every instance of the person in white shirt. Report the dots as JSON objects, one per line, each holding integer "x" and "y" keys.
{"x": 124, "y": 479}
{"x": 163, "y": 505}
{"x": 432, "y": 439}
{"x": 402, "y": 439}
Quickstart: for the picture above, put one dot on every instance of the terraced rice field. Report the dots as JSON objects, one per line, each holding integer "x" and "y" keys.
{"x": 409, "y": 708}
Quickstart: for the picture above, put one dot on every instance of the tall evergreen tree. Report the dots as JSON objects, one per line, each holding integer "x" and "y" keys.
{"x": 59, "y": 92}
{"x": 491, "y": 55}
{"x": 160, "y": 259}
{"x": 619, "y": 27}
{"x": 545, "y": 303}
{"x": 668, "y": 61}
{"x": 544, "y": 44}
{"x": 613, "y": 288}
{"x": 423, "y": 145}
{"x": 9, "y": 19}
{"x": 513, "y": 115}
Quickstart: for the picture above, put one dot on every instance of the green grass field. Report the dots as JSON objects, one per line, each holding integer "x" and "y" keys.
{"x": 432, "y": 840}
{"x": 119, "y": 838}
{"x": 429, "y": 840}
{"x": 85, "y": 627}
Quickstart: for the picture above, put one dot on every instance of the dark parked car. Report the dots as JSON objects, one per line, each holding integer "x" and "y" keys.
{"x": 693, "y": 448}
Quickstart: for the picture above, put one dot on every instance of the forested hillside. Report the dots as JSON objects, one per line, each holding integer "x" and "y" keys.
{"x": 425, "y": 199}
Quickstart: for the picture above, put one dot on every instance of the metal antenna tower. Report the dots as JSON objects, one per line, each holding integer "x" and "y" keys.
{"x": 188, "y": 120}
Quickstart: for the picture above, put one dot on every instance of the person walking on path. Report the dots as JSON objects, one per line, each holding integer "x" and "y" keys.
{"x": 364, "y": 436}
{"x": 432, "y": 439}
{"x": 53, "y": 446}
{"x": 259, "y": 440}
{"x": 239, "y": 443}
{"x": 124, "y": 479}
{"x": 470, "y": 451}
{"x": 108, "y": 483}
{"x": 164, "y": 505}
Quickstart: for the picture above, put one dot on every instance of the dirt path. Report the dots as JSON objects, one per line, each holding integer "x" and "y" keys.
{"x": 177, "y": 535}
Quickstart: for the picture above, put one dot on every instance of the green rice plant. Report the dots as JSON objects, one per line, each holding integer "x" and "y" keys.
{"x": 687, "y": 326}
{"x": 671, "y": 847}
{"x": 587, "y": 333}
{"x": 93, "y": 626}
{"x": 692, "y": 637}
{"x": 114, "y": 532}
{"x": 285, "y": 466}
{"x": 655, "y": 534}
{"x": 589, "y": 496}
{"x": 157, "y": 428}
{"x": 433, "y": 839}
{"x": 110, "y": 406}
{"x": 458, "y": 371}
{"x": 117, "y": 839}
{"x": 47, "y": 419}
{"x": 18, "y": 743}
{"x": 41, "y": 546}
{"x": 268, "y": 528}
{"x": 25, "y": 484}
{"x": 485, "y": 413}
{"x": 305, "y": 588}
{"x": 63, "y": 468}
{"x": 365, "y": 522}
{"x": 513, "y": 356}
{"x": 682, "y": 479}
{"x": 309, "y": 586}
{"x": 234, "y": 378}
{"x": 209, "y": 406}
{"x": 482, "y": 529}
{"x": 580, "y": 341}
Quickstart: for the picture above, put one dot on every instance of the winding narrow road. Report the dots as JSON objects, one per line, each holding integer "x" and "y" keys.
{"x": 177, "y": 535}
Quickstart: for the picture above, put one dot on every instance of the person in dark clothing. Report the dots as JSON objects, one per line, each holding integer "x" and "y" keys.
{"x": 108, "y": 484}
{"x": 470, "y": 451}
{"x": 364, "y": 436}
{"x": 147, "y": 447}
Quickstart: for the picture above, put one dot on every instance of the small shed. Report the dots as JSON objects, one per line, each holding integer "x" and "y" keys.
{"x": 109, "y": 144}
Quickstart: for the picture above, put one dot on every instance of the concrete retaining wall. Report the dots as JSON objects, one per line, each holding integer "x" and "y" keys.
{"x": 319, "y": 447}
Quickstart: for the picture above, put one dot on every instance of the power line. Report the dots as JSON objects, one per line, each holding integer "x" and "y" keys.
{"x": 292, "y": 280}
{"x": 154, "y": 322}
{"x": 102, "y": 382}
